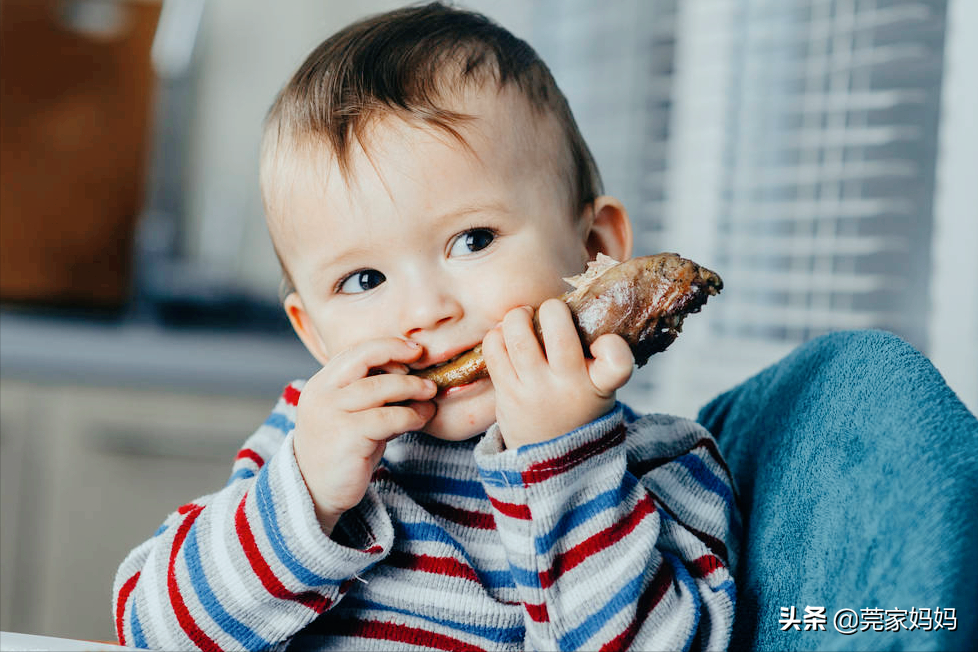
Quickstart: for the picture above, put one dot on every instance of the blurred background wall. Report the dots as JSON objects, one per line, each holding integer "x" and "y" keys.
{"x": 820, "y": 154}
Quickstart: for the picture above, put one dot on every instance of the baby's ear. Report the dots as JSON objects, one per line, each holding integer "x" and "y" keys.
{"x": 303, "y": 327}
{"x": 610, "y": 230}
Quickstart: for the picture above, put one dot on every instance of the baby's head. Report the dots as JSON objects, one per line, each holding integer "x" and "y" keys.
{"x": 422, "y": 174}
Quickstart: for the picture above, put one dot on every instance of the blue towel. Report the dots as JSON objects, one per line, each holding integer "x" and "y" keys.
{"x": 857, "y": 473}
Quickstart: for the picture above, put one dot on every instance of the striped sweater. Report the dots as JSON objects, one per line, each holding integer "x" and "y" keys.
{"x": 619, "y": 535}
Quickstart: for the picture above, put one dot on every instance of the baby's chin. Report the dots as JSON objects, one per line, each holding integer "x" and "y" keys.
{"x": 465, "y": 413}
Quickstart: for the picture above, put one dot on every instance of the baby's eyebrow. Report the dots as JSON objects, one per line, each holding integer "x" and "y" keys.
{"x": 346, "y": 258}
{"x": 470, "y": 208}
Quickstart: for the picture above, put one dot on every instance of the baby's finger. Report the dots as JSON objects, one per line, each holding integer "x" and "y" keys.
{"x": 386, "y": 423}
{"x": 390, "y": 368}
{"x": 357, "y": 361}
{"x": 497, "y": 358}
{"x": 522, "y": 344}
{"x": 375, "y": 391}
{"x": 560, "y": 338}
{"x": 612, "y": 364}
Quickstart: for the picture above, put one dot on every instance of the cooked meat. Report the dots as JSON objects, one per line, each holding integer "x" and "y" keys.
{"x": 645, "y": 300}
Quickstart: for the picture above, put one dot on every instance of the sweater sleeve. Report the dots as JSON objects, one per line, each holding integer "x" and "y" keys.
{"x": 248, "y": 566}
{"x": 620, "y": 534}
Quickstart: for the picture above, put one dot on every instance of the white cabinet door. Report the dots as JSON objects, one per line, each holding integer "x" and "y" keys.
{"x": 114, "y": 463}
{"x": 14, "y": 432}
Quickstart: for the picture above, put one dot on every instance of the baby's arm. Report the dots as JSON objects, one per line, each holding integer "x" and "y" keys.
{"x": 620, "y": 536}
{"x": 251, "y": 565}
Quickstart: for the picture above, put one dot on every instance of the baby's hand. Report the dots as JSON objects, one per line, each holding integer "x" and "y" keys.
{"x": 542, "y": 393}
{"x": 346, "y": 416}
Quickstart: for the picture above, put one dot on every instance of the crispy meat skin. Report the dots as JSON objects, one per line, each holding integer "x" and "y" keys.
{"x": 644, "y": 300}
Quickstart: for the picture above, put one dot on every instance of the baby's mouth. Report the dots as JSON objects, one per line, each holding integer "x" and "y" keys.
{"x": 450, "y": 391}
{"x": 433, "y": 366}
{"x": 460, "y": 370}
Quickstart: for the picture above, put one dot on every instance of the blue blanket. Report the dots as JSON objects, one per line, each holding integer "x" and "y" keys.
{"x": 857, "y": 474}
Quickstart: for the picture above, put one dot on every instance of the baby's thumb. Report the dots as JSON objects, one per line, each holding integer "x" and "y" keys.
{"x": 612, "y": 364}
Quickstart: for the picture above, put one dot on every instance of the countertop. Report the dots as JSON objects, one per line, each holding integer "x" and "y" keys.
{"x": 50, "y": 349}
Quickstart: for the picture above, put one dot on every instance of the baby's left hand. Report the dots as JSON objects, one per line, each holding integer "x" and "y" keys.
{"x": 544, "y": 392}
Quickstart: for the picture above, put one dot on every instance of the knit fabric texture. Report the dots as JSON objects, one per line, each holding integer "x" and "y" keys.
{"x": 620, "y": 534}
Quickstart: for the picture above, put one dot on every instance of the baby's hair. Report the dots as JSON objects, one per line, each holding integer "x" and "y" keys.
{"x": 406, "y": 62}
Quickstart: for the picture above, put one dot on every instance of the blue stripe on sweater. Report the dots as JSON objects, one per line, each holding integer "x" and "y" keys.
{"x": 702, "y": 474}
{"x": 628, "y": 594}
{"x": 730, "y": 589}
{"x": 501, "y": 478}
{"x": 240, "y": 474}
{"x": 628, "y": 413}
{"x": 266, "y": 509}
{"x": 524, "y": 577}
{"x": 438, "y": 484}
{"x": 241, "y": 633}
{"x": 496, "y": 634}
{"x": 280, "y": 422}
{"x": 138, "y": 638}
{"x": 414, "y": 531}
{"x": 586, "y": 511}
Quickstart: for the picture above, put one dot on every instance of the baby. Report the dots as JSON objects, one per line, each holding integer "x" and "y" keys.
{"x": 425, "y": 187}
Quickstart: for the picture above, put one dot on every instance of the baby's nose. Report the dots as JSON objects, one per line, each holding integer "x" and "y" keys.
{"x": 427, "y": 308}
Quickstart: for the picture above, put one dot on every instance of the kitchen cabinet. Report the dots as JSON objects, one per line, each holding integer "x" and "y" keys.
{"x": 87, "y": 474}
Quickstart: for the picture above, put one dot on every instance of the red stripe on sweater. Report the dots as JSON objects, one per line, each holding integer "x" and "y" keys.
{"x": 704, "y": 565}
{"x": 291, "y": 395}
{"x": 597, "y": 542}
{"x": 469, "y": 518}
{"x": 402, "y": 634}
{"x": 537, "y": 612}
{"x": 186, "y": 509}
{"x": 428, "y": 564}
{"x": 180, "y": 610}
{"x": 511, "y": 510}
{"x": 647, "y": 603}
{"x": 248, "y": 454}
{"x": 549, "y": 468}
{"x": 120, "y": 607}
{"x": 314, "y": 601}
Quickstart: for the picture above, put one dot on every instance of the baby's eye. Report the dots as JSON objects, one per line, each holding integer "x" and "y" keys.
{"x": 471, "y": 241}
{"x": 365, "y": 279}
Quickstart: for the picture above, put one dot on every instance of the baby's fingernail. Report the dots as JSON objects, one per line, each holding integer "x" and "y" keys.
{"x": 430, "y": 384}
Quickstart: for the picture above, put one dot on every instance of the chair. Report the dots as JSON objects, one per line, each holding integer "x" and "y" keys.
{"x": 857, "y": 475}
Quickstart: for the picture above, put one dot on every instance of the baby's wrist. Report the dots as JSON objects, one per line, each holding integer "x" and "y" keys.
{"x": 327, "y": 519}
{"x": 326, "y": 515}
{"x": 514, "y": 436}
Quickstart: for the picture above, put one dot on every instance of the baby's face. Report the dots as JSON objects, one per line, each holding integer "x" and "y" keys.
{"x": 434, "y": 242}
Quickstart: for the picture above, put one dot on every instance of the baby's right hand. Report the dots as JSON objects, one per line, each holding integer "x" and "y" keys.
{"x": 345, "y": 419}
